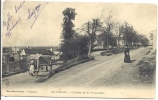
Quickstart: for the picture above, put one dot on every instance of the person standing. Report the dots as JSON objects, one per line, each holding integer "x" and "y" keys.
{"x": 32, "y": 67}
{"x": 127, "y": 55}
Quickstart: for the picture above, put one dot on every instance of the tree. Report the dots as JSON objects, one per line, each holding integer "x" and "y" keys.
{"x": 128, "y": 32}
{"x": 131, "y": 36}
{"x": 111, "y": 39}
{"x": 69, "y": 15}
{"x": 81, "y": 44}
{"x": 75, "y": 47}
{"x": 143, "y": 40}
{"x": 68, "y": 32}
{"x": 91, "y": 28}
{"x": 109, "y": 22}
{"x": 135, "y": 39}
{"x": 118, "y": 31}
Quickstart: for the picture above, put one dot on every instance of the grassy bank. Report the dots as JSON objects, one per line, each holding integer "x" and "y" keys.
{"x": 147, "y": 67}
{"x": 74, "y": 62}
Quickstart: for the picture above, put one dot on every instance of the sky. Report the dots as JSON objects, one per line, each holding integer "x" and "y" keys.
{"x": 46, "y": 30}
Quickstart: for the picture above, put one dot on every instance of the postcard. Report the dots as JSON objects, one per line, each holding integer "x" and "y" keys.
{"x": 78, "y": 49}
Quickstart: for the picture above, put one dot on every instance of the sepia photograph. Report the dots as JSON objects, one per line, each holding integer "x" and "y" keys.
{"x": 78, "y": 49}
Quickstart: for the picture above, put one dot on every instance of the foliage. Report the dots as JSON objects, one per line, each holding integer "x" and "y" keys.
{"x": 91, "y": 28}
{"x": 69, "y": 15}
{"x": 132, "y": 37}
{"x": 147, "y": 67}
{"x": 111, "y": 32}
{"x": 109, "y": 25}
{"x": 111, "y": 38}
{"x": 73, "y": 45}
{"x": 144, "y": 41}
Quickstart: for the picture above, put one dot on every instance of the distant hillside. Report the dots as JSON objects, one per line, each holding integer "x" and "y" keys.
{"x": 43, "y": 47}
{"x": 9, "y": 49}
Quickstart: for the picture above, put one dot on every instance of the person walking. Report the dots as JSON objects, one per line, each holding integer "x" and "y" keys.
{"x": 127, "y": 55}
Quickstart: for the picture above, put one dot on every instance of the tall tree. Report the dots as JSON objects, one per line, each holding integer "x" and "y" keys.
{"x": 135, "y": 39}
{"x": 118, "y": 33}
{"x": 109, "y": 22}
{"x": 143, "y": 40}
{"x": 69, "y": 15}
{"x": 111, "y": 39}
{"x": 91, "y": 28}
{"x": 127, "y": 30}
{"x": 68, "y": 32}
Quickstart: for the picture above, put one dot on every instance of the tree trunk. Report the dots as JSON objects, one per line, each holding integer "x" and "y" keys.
{"x": 107, "y": 44}
{"x": 90, "y": 47}
{"x": 104, "y": 45}
{"x": 118, "y": 43}
{"x": 78, "y": 53}
{"x": 108, "y": 39}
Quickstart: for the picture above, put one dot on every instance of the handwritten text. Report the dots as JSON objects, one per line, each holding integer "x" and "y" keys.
{"x": 17, "y": 8}
{"x": 10, "y": 25}
{"x": 35, "y": 13}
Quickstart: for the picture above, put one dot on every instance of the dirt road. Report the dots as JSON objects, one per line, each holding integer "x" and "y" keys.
{"x": 104, "y": 71}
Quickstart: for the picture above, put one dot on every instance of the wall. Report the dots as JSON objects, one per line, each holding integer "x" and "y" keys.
{"x": 10, "y": 67}
{"x": 24, "y": 65}
{"x": 14, "y": 66}
{"x": 4, "y": 68}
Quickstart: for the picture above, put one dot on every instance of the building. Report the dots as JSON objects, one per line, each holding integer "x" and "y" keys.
{"x": 98, "y": 44}
{"x": 15, "y": 49}
{"x": 28, "y": 54}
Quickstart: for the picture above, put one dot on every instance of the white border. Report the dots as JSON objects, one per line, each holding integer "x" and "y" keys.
{"x": 119, "y": 1}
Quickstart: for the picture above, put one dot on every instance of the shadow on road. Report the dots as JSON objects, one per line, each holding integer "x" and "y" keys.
{"x": 133, "y": 61}
{"x": 43, "y": 78}
{"x": 42, "y": 75}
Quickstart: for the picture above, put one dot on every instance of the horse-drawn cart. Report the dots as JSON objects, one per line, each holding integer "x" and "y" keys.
{"x": 41, "y": 62}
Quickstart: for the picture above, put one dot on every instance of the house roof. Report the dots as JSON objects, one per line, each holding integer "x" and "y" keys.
{"x": 44, "y": 59}
{"x": 39, "y": 51}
